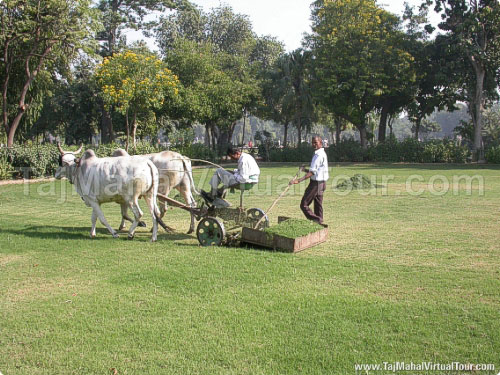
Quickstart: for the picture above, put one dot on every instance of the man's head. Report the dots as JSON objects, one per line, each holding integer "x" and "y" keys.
{"x": 233, "y": 153}
{"x": 317, "y": 142}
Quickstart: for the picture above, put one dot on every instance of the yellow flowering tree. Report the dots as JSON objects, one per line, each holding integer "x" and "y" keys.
{"x": 135, "y": 84}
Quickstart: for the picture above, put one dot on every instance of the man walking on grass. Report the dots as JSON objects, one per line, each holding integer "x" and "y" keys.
{"x": 318, "y": 173}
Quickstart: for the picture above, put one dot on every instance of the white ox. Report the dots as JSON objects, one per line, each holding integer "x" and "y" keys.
{"x": 175, "y": 173}
{"x": 122, "y": 180}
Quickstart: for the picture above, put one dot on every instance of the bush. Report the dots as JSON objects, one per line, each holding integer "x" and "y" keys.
{"x": 41, "y": 160}
{"x": 347, "y": 150}
{"x": 302, "y": 154}
{"x": 408, "y": 150}
{"x": 197, "y": 151}
{"x": 444, "y": 152}
{"x": 493, "y": 155}
{"x": 6, "y": 169}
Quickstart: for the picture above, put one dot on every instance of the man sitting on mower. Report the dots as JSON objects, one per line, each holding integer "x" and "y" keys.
{"x": 247, "y": 173}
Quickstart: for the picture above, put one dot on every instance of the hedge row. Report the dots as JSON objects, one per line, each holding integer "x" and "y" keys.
{"x": 43, "y": 160}
{"x": 408, "y": 150}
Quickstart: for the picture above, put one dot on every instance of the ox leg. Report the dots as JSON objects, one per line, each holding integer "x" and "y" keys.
{"x": 94, "y": 222}
{"x": 123, "y": 207}
{"x": 134, "y": 205}
{"x": 98, "y": 213}
{"x": 163, "y": 204}
{"x": 188, "y": 198}
{"x": 152, "y": 209}
{"x": 125, "y": 216}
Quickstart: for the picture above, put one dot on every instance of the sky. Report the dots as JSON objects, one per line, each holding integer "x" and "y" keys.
{"x": 287, "y": 20}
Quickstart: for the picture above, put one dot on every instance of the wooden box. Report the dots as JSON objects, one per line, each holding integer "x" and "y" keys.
{"x": 281, "y": 243}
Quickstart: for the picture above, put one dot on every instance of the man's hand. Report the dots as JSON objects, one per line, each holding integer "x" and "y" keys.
{"x": 293, "y": 181}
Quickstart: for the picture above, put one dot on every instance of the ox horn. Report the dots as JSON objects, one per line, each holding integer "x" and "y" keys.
{"x": 69, "y": 152}
{"x": 60, "y": 148}
{"x": 79, "y": 150}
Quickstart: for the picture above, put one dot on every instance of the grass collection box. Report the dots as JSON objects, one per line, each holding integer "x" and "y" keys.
{"x": 280, "y": 243}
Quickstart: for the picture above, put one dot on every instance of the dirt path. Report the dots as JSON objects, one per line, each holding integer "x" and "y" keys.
{"x": 22, "y": 181}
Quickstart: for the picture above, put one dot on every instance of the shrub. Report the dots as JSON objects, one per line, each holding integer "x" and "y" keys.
{"x": 346, "y": 150}
{"x": 493, "y": 155}
{"x": 301, "y": 154}
{"x": 197, "y": 151}
{"x": 444, "y": 152}
{"x": 6, "y": 169}
{"x": 42, "y": 160}
{"x": 389, "y": 151}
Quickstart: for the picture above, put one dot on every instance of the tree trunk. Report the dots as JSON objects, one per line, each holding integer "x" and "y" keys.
{"x": 13, "y": 127}
{"x": 207, "y": 136}
{"x": 382, "y": 126}
{"x": 31, "y": 75}
{"x": 363, "y": 136}
{"x": 478, "y": 112}
{"x": 299, "y": 134}
{"x": 134, "y": 130}
{"x": 215, "y": 135}
{"x": 338, "y": 130}
{"x": 243, "y": 131}
{"x": 389, "y": 124}
{"x": 106, "y": 125}
{"x": 127, "y": 129}
{"x": 285, "y": 136}
{"x": 417, "y": 128}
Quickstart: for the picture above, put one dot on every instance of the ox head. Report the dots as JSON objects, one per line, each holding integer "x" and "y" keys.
{"x": 67, "y": 160}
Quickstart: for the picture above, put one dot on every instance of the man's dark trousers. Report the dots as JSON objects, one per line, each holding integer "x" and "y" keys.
{"x": 314, "y": 192}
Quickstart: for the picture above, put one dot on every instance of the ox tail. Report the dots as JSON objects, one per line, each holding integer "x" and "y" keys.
{"x": 154, "y": 186}
{"x": 189, "y": 171}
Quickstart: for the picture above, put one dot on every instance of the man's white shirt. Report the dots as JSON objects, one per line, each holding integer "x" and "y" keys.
{"x": 319, "y": 166}
{"x": 248, "y": 170}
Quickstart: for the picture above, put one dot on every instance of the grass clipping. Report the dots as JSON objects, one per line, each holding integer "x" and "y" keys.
{"x": 358, "y": 181}
{"x": 293, "y": 228}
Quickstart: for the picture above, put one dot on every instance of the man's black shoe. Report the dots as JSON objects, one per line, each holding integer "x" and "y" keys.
{"x": 324, "y": 225}
{"x": 206, "y": 196}
{"x": 220, "y": 192}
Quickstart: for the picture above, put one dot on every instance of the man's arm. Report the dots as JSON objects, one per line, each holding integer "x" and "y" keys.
{"x": 297, "y": 181}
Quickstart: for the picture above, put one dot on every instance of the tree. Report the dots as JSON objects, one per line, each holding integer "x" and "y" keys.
{"x": 278, "y": 96}
{"x": 72, "y": 109}
{"x": 119, "y": 15}
{"x": 351, "y": 42}
{"x": 38, "y": 38}
{"x": 297, "y": 70}
{"x": 474, "y": 26}
{"x": 226, "y": 42}
{"x": 135, "y": 84}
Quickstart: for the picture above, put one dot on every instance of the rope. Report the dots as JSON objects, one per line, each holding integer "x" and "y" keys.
{"x": 203, "y": 161}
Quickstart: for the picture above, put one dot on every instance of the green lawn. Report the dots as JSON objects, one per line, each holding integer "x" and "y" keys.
{"x": 405, "y": 276}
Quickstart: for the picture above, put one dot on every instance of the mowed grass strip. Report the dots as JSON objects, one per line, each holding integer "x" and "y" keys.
{"x": 402, "y": 277}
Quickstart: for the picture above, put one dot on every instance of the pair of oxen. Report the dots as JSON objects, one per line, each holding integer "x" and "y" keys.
{"x": 124, "y": 179}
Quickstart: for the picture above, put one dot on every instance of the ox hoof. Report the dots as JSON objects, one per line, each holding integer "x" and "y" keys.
{"x": 92, "y": 236}
{"x": 130, "y": 237}
{"x": 190, "y": 231}
{"x": 115, "y": 235}
{"x": 142, "y": 224}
